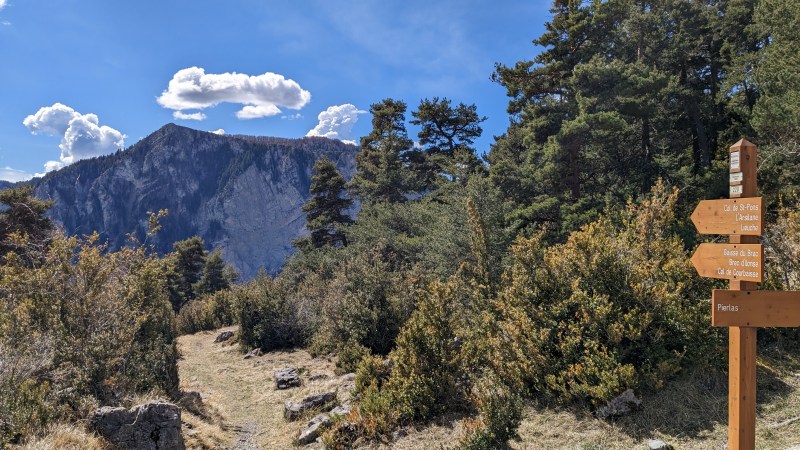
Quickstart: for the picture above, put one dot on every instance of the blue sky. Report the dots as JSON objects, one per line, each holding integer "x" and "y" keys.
{"x": 81, "y": 77}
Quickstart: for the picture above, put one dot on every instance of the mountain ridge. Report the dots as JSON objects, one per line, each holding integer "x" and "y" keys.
{"x": 241, "y": 193}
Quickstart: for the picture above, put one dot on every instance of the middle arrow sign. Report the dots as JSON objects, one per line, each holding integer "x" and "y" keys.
{"x": 743, "y": 262}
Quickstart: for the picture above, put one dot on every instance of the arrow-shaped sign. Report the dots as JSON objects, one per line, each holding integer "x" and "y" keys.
{"x": 743, "y": 262}
{"x": 755, "y": 308}
{"x": 737, "y": 216}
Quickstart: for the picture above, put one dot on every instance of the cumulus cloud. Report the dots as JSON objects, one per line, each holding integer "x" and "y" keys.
{"x": 81, "y": 134}
{"x": 13, "y": 175}
{"x": 219, "y": 132}
{"x": 337, "y": 122}
{"x": 260, "y": 95}
{"x": 184, "y": 116}
{"x": 3, "y": 4}
{"x": 297, "y": 116}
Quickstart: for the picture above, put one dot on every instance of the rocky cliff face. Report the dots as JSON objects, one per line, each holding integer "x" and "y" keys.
{"x": 241, "y": 193}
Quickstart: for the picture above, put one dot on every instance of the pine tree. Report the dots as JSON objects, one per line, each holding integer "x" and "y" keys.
{"x": 326, "y": 210}
{"x": 447, "y": 136}
{"x": 186, "y": 268}
{"x": 214, "y": 277}
{"x": 381, "y": 175}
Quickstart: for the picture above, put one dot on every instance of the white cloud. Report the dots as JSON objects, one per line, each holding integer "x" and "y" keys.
{"x": 297, "y": 116}
{"x": 13, "y": 175}
{"x": 260, "y": 95}
{"x": 257, "y": 111}
{"x": 81, "y": 134}
{"x": 3, "y": 3}
{"x": 219, "y": 132}
{"x": 193, "y": 116}
{"x": 337, "y": 122}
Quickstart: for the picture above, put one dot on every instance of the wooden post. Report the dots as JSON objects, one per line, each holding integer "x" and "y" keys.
{"x": 742, "y": 340}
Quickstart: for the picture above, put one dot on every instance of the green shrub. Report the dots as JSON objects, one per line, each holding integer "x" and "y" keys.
{"x": 94, "y": 327}
{"x": 500, "y": 410}
{"x": 349, "y": 357}
{"x": 617, "y": 306}
{"x": 208, "y": 312}
{"x": 268, "y": 318}
{"x": 364, "y": 304}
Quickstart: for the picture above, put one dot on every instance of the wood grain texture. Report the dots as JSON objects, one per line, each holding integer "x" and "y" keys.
{"x": 742, "y": 216}
{"x": 755, "y": 308}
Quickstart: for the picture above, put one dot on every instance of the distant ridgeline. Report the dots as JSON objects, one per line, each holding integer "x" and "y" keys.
{"x": 241, "y": 193}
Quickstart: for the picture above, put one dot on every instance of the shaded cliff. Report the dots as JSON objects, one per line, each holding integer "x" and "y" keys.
{"x": 241, "y": 193}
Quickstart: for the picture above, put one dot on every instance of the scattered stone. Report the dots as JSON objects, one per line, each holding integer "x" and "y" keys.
{"x": 193, "y": 395}
{"x": 253, "y": 353}
{"x": 292, "y": 410}
{"x": 287, "y": 378}
{"x": 657, "y": 444}
{"x": 224, "y": 336}
{"x": 342, "y": 410}
{"x": 344, "y": 392}
{"x": 619, "y": 406}
{"x": 401, "y": 433}
{"x": 318, "y": 377}
{"x": 152, "y": 426}
{"x": 312, "y": 430}
{"x": 348, "y": 377}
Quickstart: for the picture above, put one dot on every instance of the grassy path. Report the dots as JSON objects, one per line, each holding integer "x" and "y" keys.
{"x": 243, "y": 390}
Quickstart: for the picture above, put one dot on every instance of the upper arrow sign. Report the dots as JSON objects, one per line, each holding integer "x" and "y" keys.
{"x": 739, "y": 216}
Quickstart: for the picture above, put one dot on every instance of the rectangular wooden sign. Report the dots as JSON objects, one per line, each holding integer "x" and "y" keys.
{"x": 737, "y": 216}
{"x": 755, "y": 308}
{"x": 743, "y": 262}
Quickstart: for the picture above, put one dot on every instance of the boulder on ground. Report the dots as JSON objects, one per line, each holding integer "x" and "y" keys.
{"x": 321, "y": 421}
{"x": 287, "y": 378}
{"x": 152, "y": 426}
{"x": 311, "y": 432}
{"x": 657, "y": 444}
{"x": 253, "y": 353}
{"x": 224, "y": 336}
{"x": 619, "y": 406}
{"x": 293, "y": 410}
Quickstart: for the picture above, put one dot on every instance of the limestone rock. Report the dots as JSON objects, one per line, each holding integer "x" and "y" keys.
{"x": 293, "y": 410}
{"x": 152, "y": 426}
{"x": 311, "y": 432}
{"x": 657, "y": 444}
{"x": 287, "y": 378}
{"x": 619, "y": 406}
{"x": 253, "y": 353}
{"x": 224, "y": 336}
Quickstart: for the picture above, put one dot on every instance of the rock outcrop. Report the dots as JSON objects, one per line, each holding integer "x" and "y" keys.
{"x": 152, "y": 426}
{"x": 241, "y": 193}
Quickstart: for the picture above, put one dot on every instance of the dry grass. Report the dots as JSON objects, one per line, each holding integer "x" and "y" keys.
{"x": 690, "y": 413}
{"x": 66, "y": 437}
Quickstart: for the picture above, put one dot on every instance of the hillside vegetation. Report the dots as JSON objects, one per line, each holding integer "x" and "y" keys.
{"x": 506, "y": 293}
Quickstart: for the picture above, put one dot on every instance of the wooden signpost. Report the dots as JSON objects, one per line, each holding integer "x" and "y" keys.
{"x": 741, "y": 308}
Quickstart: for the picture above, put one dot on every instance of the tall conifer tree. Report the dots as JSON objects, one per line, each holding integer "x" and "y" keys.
{"x": 326, "y": 210}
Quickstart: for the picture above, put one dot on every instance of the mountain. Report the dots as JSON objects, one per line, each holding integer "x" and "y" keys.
{"x": 5, "y": 184}
{"x": 241, "y": 193}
